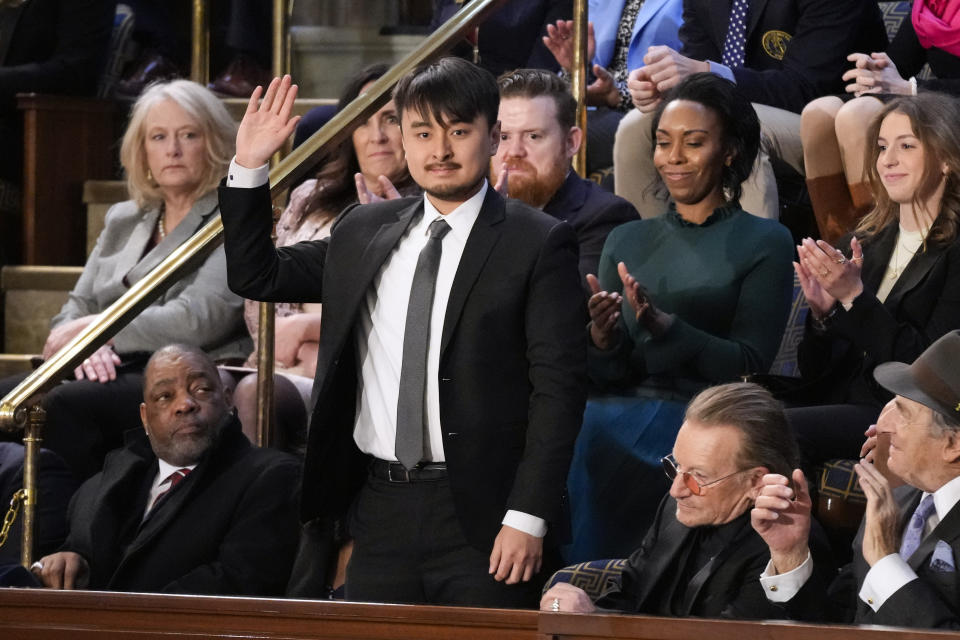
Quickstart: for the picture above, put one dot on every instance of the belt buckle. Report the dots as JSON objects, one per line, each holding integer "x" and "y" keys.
{"x": 406, "y": 474}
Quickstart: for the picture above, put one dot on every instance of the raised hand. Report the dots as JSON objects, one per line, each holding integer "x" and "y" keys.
{"x": 559, "y": 41}
{"x": 604, "y": 310}
{"x": 265, "y": 127}
{"x": 881, "y": 533}
{"x": 366, "y": 196}
{"x": 781, "y": 515}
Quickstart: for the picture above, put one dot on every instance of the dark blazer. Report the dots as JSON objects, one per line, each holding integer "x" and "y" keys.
{"x": 513, "y": 350}
{"x": 592, "y": 212}
{"x": 728, "y": 587}
{"x": 230, "y": 527}
{"x": 932, "y": 601}
{"x": 796, "y": 49}
{"x": 923, "y": 305}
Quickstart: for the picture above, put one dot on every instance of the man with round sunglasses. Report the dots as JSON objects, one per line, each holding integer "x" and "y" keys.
{"x": 701, "y": 557}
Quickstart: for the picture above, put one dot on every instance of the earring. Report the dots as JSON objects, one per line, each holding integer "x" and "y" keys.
{"x": 149, "y": 176}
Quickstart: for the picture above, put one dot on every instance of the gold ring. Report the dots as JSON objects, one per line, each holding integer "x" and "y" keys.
{"x": 825, "y": 273}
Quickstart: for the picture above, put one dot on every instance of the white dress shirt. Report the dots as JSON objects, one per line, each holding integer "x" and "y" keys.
{"x": 382, "y": 322}
{"x": 884, "y": 578}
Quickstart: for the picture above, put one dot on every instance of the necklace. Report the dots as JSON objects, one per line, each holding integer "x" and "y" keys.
{"x": 160, "y": 229}
{"x": 895, "y": 267}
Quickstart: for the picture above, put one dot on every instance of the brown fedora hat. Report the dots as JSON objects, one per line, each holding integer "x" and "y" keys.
{"x": 932, "y": 380}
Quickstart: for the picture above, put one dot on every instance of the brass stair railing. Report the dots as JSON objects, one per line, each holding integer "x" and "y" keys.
{"x": 24, "y": 400}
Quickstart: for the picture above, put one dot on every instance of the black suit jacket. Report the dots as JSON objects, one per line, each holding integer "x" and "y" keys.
{"x": 932, "y": 601}
{"x": 796, "y": 49}
{"x": 513, "y": 350}
{"x": 728, "y": 587}
{"x": 592, "y": 212}
{"x": 923, "y": 305}
{"x": 230, "y": 527}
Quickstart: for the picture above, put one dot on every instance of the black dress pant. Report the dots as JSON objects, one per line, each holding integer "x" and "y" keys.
{"x": 409, "y": 547}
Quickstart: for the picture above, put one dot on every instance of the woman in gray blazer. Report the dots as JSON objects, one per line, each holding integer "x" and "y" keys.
{"x": 176, "y": 149}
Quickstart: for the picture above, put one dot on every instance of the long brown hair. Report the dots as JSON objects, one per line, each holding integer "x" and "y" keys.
{"x": 933, "y": 119}
{"x": 336, "y": 189}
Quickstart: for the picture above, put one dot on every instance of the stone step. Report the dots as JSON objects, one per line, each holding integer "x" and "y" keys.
{"x": 33, "y": 295}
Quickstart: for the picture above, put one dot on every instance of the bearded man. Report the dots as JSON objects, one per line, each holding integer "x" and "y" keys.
{"x": 538, "y": 139}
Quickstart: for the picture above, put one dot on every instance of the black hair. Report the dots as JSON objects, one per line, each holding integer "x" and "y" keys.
{"x": 533, "y": 83}
{"x": 738, "y": 120}
{"x": 449, "y": 89}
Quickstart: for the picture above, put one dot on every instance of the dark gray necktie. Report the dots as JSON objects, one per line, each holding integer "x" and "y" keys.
{"x": 411, "y": 413}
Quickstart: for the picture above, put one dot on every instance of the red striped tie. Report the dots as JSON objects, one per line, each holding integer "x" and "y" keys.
{"x": 172, "y": 480}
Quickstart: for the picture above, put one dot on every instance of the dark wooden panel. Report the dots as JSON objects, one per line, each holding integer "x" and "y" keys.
{"x": 50, "y": 615}
{"x": 560, "y": 626}
{"x": 66, "y": 141}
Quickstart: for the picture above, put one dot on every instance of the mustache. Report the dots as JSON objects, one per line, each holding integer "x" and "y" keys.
{"x": 442, "y": 165}
{"x": 519, "y": 163}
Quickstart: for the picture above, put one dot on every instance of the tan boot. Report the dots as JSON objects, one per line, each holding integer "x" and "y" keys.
{"x": 832, "y": 206}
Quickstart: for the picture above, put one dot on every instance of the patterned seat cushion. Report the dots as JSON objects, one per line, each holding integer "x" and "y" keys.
{"x": 594, "y": 577}
{"x": 839, "y": 480}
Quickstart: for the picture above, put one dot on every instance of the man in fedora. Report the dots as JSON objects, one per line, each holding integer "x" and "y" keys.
{"x": 904, "y": 570}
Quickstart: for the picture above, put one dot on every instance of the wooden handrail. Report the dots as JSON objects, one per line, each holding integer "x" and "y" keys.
{"x": 38, "y": 614}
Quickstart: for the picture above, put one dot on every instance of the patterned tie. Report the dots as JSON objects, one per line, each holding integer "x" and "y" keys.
{"x": 735, "y": 44}
{"x": 411, "y": 417}
{"x": 914, "y": 532}
{"x": 173, "y": 479}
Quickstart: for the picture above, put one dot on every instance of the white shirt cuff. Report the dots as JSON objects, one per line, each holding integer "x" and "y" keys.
{"x": 782, "y": 587}
{"x": 244, "y": 178}
{"x": 530, "y": 525}
{"x": 884, "y": 579}
{"x": 722, "y": 70}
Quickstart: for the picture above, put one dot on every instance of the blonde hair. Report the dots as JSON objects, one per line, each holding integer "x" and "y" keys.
{"x": 933, "y": 119}
{"x": 219, "y": 135}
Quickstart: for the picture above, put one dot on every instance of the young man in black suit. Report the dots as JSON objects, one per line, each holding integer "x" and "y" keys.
{"x": 446, "y": 420}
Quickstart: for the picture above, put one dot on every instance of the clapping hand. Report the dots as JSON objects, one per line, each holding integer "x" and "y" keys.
{"x": 366, "y": 196}
{"x": 827, "y": 276}
{"x": 604, "y": 307}
{"x": 559, "y": 41}
{"x": 781, "y": 515}
{"x": 653, "y": 319}
{"x": 881, "y": 534}
{"x": 266, "y": 127}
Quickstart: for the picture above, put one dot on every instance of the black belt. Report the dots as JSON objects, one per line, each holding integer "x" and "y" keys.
{"x": 396, "y": 472}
